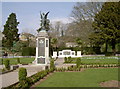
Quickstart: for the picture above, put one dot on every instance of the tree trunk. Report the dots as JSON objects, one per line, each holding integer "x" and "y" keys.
{"x": 106, "y": 46}
{"x": 113, "y": 46}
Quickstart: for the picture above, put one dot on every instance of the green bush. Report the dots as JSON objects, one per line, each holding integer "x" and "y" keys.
{"x": 18, "y": 60}
{"x": 7, "y": 64}
{"x": 65, "y": 59}
{"x": 52, "y": 66}
{"x": 36, "y": 77}
{"x": 1, "y": 62}
{"x": 46, "y": 67}
{"x": 3, "y": 70}
{"x": 24, "y": 82}
{"x": 23, "y": 78}
{"x": 78, "y": 62}
{"x": 69, "y": 59}
{"x": 22, "y": 74}
{"x": 109, "y": 54}
{"x": 28, "y": 51}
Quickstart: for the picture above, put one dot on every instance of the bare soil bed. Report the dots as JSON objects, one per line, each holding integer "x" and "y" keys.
{"x": 112, "y": 83}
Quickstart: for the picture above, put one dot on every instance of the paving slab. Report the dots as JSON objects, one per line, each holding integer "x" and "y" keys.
{"x": 10, "y": 78}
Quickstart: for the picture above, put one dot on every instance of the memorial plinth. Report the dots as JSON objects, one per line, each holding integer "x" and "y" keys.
{"x": 42, "y": 48}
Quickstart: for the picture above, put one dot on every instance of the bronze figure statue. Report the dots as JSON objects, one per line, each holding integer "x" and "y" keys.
{"x": 44, "y": 22}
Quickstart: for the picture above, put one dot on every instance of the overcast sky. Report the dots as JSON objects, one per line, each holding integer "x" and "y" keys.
{"x": 28, "y": 13}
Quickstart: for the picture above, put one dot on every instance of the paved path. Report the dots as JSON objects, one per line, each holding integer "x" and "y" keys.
{"x": 12, "y": 77}
{"x": 60, "y": 63}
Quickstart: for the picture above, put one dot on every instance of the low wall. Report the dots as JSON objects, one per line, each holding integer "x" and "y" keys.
{"x": 17, "y": 57}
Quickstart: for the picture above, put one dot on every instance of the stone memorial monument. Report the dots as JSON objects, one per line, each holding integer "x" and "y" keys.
{"x": 42, "y": 47}
{"x": 66, "y": 53}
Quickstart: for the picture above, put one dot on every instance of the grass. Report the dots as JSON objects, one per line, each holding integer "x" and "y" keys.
{"x": 97, "y": 60}
{"x": 87, "y": 78}
{"x": 13, "y": 61}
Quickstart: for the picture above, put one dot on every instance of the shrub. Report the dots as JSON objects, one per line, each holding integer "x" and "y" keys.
{"x": 46, "y": 67}
{"x": 69, "y": 59}
{"x": 74, "y": 68}
{"x": 28, "y": 51}
{"x": 7, "y": 64}
{"x": 70, "y": 68}
{"x": 78, "y": 62}
{"x": 1, "y": 61}
{"x": 27, "y": 82}
{"x": 3, "y": 70}
{"x": 52, "y": 66}
{"x": 22, "y": 74}
{"x": 109, "y": 54}
{"x": 79, "y": 68}
{"x": 22, "y": 78}
{"x": 65, "y": 59}
{"x": 18, "y": 60}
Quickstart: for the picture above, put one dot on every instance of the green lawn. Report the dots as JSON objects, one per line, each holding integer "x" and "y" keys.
{"x": 100, "y": 61}
{"x": 87, "y": 78}
{"x": 97, "y": 60}
{"x": 13, "y": 61}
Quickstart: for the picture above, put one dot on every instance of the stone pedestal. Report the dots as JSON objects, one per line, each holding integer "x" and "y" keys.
{"x": 42, "y": 48}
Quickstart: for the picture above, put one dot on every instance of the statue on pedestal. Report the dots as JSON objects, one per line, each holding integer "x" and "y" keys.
{"x": 42, "y": 47}
{"x": 44, "y": 22}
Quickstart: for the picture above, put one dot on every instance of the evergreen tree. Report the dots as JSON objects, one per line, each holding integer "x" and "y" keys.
{"x": 107, "y": 24}
{"x": 10, "y": 31}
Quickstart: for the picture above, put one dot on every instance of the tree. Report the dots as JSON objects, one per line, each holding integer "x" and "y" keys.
{"x": 107, "y": 24}
{"x": 57, "y": 29}
{"x": 10, "y": 31}
{"x": 83, "y": 16}
{"x": 54, "y": 42}
{"x": 29, "y": 38}
{"x": 85, "y": 11}
{"x": 78, "y": 41}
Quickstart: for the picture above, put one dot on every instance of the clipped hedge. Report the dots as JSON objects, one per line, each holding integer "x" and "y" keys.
{"x": 29, "y": 80}
{"x": 23, "y": 78}
{"x": 78, "y": 62}
{"x": 7, "y": 64}
{"x": 28, "y": 51}
{"x": 65, "y": 59}
{"x": 68, "y": 59}
{"x": 22, "y": 74}
{"x": 18, "y": 60}
{"x": 40, "y": 75}
{"x": 52, "y": 66}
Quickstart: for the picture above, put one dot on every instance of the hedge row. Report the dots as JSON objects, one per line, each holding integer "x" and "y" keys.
{"x": 75, "y": 68}
{"x": 70, "y": 68}
{"x": 96, "y": 66}
{"x": 30, "y": 80}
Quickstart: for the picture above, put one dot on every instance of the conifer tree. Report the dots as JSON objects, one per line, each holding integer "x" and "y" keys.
{"x": 107, "y": 24}
{"x": 10, "y": 31}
